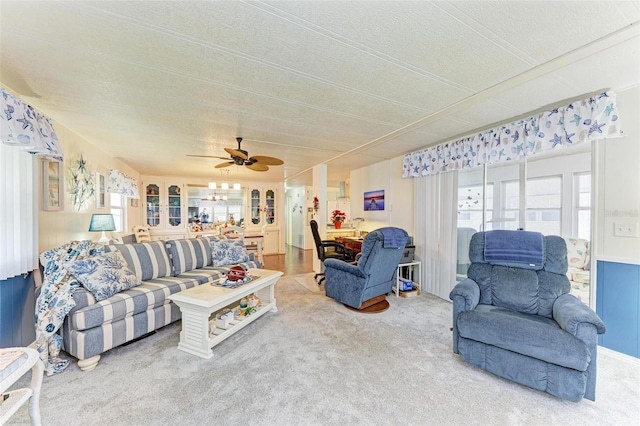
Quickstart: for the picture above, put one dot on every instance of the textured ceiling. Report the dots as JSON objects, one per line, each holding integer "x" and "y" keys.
{"x": 343, "y": 83}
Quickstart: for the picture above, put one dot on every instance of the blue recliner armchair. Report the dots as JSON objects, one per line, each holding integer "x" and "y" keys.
{"x": 366, "y": 283}
{"x": 514, "y": 317}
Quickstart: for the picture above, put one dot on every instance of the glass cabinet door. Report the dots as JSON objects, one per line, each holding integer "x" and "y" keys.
{"x": 270, "y": 210}
{"x": 174, "y": 205}
{"x": 152, "y": 192}
{"x": 255, "y": 206}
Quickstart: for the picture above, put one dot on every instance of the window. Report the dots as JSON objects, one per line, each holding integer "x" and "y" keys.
{"x": 222, "y": 210}
{"x": 470, "y": 206}
{"x": 118, "y": 210}
{"x": 511, "y": 204}
{"x": 582, "y": 213}
{"x": 544, "y": 205}
{"x": 470, "y": 209}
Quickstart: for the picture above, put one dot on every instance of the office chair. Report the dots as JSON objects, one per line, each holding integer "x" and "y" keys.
{"x": 327, "y": 249}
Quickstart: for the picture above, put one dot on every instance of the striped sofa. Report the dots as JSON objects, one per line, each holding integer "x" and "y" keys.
{"x": 164, "y": 267}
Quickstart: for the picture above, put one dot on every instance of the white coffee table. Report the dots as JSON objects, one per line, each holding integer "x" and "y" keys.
{"x": 198, "y": 303}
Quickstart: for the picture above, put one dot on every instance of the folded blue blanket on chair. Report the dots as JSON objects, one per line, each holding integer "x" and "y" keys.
{"x": 393, "y": 237}
{"x": 522, "y": 247}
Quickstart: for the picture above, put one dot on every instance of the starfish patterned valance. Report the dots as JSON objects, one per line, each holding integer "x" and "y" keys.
{"x": 23, "y": 126}
{"x": 119, "y": 183}
{"x": 593, "y": 118}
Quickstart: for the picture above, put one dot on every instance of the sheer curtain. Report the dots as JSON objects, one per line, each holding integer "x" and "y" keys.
{"x": 18, "y": 212}
{"x": 436, "y": 220}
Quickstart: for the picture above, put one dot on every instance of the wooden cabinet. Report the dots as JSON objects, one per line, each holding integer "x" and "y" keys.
{"x": 165, "y": 209}
{"x": 271, "y": 241}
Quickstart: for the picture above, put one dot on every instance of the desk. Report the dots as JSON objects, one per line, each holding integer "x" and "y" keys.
{"x": 333, "y": 234}
{"x": 14, "y": 363}
{"x": 352, "y": 244}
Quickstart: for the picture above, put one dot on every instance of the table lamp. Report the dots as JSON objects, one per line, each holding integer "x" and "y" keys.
{"x": 102, "y": 222}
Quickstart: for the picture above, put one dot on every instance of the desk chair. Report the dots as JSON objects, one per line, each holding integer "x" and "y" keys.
{"x": 327, "y": 249}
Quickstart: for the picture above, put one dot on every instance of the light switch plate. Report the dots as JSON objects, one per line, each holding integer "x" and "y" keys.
{"x": 625, "y": 229}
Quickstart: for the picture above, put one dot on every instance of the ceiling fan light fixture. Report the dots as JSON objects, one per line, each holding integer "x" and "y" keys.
{"x": 212, "y": 185}
{"x": 236, "y": 186}
{"x": 240, "y": 157}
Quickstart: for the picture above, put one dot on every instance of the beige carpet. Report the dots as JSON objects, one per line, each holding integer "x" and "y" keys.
{"x": 316, "y": 363}
{"x": 308, "y": 282}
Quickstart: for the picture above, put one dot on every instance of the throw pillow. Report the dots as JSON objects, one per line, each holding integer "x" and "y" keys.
{"x": 190, "y": 254}
{"x": 228, "y": 252}
{"x": 104, "y": 275}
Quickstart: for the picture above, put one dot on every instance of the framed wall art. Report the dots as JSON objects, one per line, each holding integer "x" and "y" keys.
{"x": 52, "y": 185}
{"x": 101, "y": 190}
{"x": 374, "y": 200}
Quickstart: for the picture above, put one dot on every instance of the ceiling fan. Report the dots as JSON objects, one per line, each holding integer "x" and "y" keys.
{"x": 240, "y": 157}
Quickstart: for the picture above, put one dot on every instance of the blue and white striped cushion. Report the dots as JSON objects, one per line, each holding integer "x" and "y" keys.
{"x": 147, "y": 260}
{"x": 190, "y": 254}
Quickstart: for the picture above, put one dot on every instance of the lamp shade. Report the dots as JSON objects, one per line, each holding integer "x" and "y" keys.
{"x": 102, "y": 222}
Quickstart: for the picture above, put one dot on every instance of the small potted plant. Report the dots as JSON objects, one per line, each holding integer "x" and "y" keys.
{"x": 337, "y": 217}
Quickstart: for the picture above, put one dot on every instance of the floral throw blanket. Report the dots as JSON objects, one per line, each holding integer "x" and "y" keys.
{"x": 55, "y": 299}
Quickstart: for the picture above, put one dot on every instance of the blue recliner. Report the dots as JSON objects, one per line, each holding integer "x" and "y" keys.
{"x": 374, "y": 274}
{"x": 514, "y": 317}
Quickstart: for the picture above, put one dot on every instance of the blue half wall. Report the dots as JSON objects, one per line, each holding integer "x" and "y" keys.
{"x": 17, "y": 307}
{"x": 618, "y": 304}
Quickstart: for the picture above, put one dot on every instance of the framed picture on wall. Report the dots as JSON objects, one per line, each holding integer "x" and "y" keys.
{"x": 374, "y": 200}
{"x": 101, "y": 190}
{"x": 52, "y": 185}
{"x": 134, "y": 202}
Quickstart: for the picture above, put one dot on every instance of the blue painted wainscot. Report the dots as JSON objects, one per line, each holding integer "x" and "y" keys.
{"x": 17, "y": 307}
{"x": 618, "y": 304}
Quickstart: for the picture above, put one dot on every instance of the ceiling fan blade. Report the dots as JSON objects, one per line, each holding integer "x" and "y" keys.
{"x": 209, "y": 156}
{"x": 257, "y": 167}
{"x": 271, "y": 161}
{"x": 236, "y": 153}
{"x": 221, "y": 165}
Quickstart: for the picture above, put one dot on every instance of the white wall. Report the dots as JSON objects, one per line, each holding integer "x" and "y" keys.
{"x": 398, "y": 193}
{"x": 618, "y": 191}
{"x": 56, "y": 228}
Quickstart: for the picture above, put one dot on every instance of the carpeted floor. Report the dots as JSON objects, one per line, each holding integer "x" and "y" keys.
{"x": 315, "y": 362}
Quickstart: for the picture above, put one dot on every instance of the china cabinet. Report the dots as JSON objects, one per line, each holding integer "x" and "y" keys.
{"x": 262, "y": 206}
{"x": 263, "y": 213}
{"x": 164, "y": 210}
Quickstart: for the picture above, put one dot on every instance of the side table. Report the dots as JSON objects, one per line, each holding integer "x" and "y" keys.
{"x": 14, "y": 363}
{"x": 410, "y": 274}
